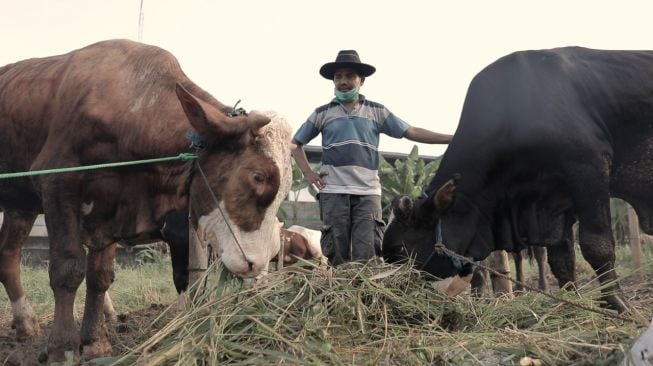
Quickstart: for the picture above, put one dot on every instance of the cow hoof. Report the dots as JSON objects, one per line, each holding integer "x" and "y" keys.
{"x": 183, "y": 302}
{"x": 96, "y": 349}
{"x": 26, "y": 328}
{"x": 615, "y": 302}
{"x": 43, "y": 356}
{"x": 59, "y": 358}
{"x": 63, "y": 344}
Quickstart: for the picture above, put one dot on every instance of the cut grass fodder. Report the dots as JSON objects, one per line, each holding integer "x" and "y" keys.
{"x": 379, "y": 314}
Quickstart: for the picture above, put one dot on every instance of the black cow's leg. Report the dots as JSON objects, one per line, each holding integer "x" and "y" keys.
{"x": 540, "y": 257}
{"x": 179, "y": 258}
{"x": 15, "y": 230}
{"x": 519, "y": 270}
{"x": 599, "y": 252}
{"x": 595, "y": 233}
{"x": 175, "y": 233}
{"x": 562, "y": 260}
{"x": 99, "y": 276}
{"x": 479, "y": 282}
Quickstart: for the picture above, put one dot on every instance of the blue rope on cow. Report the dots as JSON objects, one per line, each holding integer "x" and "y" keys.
{"x": 456, "y": 262}
{"x": 438, "y": 241}
{"x": 438, "y": 233}
{"x": 197, "y": 142}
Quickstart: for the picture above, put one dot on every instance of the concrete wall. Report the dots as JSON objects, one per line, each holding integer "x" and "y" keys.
{"x": 36, "y": 250}
{"x": 306, "y": 214}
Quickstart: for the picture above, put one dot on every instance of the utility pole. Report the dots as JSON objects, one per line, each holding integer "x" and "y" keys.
{"x": 141, "y": 19}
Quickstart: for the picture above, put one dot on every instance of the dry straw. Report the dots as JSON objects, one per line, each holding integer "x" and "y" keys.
{"x": 379, "y": 314}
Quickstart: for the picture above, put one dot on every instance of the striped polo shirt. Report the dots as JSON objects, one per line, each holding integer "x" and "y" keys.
{"x": 350, "y": 143}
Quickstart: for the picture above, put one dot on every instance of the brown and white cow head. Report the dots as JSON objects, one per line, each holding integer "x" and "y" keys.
{"x": 241, "y": 176}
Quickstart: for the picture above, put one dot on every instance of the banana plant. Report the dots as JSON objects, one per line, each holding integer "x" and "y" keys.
{"x": 298, "y": 184}
{"x": 407, "y": 176}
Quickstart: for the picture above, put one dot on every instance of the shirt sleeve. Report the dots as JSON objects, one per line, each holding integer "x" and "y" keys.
{"x": 307, "y": 131}
{"x": 394, "y": 126}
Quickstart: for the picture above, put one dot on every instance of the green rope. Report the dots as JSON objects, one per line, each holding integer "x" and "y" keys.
{"x": 182, "y": 156}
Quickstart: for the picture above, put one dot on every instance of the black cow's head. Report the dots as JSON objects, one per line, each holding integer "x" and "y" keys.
{"x": 414, "y": 229}
{"x": 418, "y": 225}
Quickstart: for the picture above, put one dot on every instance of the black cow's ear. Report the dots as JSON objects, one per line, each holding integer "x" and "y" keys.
{"x": 443, "y": 198}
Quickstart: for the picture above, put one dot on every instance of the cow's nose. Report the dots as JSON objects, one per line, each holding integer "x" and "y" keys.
{"x": 253, "y": 269}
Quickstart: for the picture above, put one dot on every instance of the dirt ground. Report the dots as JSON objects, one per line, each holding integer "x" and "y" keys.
{"x": 133, "y": 328}
{"x": 128, "y": 331}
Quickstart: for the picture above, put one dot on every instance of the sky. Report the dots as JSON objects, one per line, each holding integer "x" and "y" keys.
{"x": 267, "y": 53}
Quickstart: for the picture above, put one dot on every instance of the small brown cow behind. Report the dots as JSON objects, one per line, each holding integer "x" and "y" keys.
{"x": 300, "y": 242}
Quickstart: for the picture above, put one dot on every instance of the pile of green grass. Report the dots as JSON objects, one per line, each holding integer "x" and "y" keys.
{"x": 381, "y": 314}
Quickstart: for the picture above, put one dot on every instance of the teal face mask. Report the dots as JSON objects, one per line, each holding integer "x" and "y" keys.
{"x": 346, "y": 96}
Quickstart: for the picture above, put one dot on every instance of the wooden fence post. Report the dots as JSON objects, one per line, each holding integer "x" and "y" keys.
{"x": 198, "y": 257}
{"x": 635, "y": 240}
{"x": 498, "y": 260}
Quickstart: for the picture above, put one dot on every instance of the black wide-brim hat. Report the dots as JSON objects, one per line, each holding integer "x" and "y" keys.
{"x": 346, "y": 58}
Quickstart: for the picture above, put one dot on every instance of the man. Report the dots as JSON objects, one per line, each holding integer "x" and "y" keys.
{"x": 350, "y": 189}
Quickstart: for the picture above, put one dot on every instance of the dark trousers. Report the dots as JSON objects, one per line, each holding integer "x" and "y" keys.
{"x": 352, "y": 228}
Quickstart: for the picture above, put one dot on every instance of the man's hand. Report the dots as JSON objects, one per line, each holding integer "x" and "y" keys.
{"x": 314, "y": 178}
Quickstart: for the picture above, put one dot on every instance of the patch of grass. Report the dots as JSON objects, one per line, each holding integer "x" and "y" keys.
{"x": 624, "y": 261}
{"x": 134, "y": 287}
{"x": 625, "y": 255}
{"x": 140, "y": 286}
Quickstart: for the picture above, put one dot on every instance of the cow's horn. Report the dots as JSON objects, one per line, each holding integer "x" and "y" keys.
{"x": 257, "y": 120}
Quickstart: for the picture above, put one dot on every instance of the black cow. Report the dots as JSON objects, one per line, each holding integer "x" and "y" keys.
{"x": 544, "y": 136}
{"x": 175, "y": 233}
{"x": 406, "y": 235}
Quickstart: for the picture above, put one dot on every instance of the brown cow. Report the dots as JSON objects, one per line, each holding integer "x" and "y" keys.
{"x": 120, "y": 101}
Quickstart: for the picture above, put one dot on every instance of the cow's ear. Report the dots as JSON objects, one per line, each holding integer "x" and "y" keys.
{"x": 196, "y": 112}
{"x": 443, "y": 198}
{"x": 211, "y": 123}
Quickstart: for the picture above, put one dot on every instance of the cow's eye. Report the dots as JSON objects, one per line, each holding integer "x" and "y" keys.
{"x": 258, "y": 177}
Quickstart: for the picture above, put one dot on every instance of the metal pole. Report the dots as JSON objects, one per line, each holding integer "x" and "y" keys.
{"x": 141, "y": 20}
